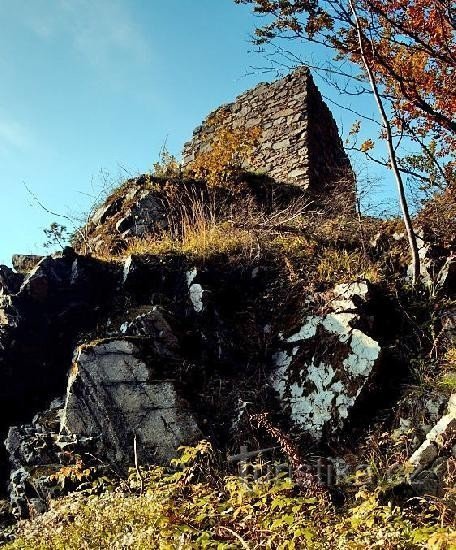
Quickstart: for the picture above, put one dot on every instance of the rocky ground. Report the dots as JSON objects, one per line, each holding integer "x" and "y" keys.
{"x": 145, "y": 336}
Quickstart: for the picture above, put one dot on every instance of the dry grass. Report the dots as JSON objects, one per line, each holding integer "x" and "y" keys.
{"x": 301, "y": 255}
{"x": 206, "y": 222}
{"x": 202, "y": 240}
{"x": 438, "y": 216}
{"x": 343, "y": 266}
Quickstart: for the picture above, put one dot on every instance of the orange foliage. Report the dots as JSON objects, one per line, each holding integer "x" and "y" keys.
{"x": 229, "y": 151}
{"x": 414, "y": 56}
{"x": 410, "y": 45}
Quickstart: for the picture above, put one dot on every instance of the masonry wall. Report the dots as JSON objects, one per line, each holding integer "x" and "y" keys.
{"x": 299, "y": 140}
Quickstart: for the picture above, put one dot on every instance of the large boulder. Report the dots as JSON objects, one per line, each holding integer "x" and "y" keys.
{"x": 323, "y": 365}
{"x": 116, "y": 395}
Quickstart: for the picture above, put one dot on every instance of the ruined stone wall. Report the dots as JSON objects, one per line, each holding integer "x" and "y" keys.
{"x": 330, "y": 168}
{"x": 299, "y": 140}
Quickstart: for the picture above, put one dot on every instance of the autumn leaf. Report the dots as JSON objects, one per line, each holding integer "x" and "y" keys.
{"x": 366, "y": 146}
{"x": 355, "y": 128}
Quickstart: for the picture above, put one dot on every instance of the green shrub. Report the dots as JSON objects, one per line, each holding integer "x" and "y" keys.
{"x": 194, "y": 507}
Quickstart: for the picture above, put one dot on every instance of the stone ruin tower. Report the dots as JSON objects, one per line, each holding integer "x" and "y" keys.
{"x": 299, "y": 142}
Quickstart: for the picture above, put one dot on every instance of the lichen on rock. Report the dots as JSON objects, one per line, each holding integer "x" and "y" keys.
{"x": 195, "y": 290}
{"x": 317, "y": 386}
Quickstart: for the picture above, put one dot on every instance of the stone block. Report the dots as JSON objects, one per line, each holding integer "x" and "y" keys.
{"x": 114, "y": 396}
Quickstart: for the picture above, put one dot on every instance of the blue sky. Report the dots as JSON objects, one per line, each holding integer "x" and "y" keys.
{"x": 93, "y": 88}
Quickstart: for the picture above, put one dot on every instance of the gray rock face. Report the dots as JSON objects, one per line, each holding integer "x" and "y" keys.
{"x": 438, "y": 266}
{"x": 146, "y": 215}
{"x": 153, "y": 324}
{"x": 140, "y": 211}
{"x": 54, "y": 274}
{"x": 195, "y": 290}
{"x": 324, "y": 365}
{"x": 428, "y": 470}
{"x": 8, "y": 314}
{"x": 448, "y": 320}
{"x": 39, "y": 327}
{"x": 182, "y": 349}
{"x": 447, "y": 276}
{"x": 106, "y": 210}
{"x": 114, "y": 395}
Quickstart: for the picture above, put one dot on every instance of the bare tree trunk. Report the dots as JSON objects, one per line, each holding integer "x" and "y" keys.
{"x": 391, "y": 151}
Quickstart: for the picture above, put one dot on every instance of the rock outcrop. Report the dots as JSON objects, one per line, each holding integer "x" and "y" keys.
{"x": 171, "y": 359}
{"x": 429, "y": 462}
{"x": 10, "y": 281}
{"x": 25, "y": 263}
{"x": 141, "y": 353}
{"x": 118, "y": 392}
{"x": 60, "y": 299}
{"x": 325, "y": 364}
{"x": 147, "y": 206}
